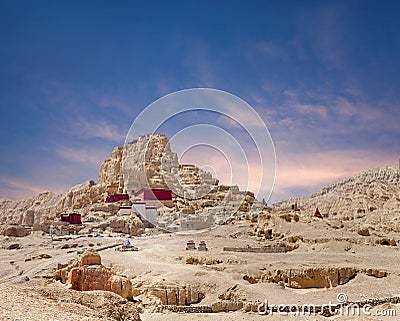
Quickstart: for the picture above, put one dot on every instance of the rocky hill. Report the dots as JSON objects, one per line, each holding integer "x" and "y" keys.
{"x": 33, "y": 209}
{"x": 146, "y": 162}
{"x": 372, "y": 197}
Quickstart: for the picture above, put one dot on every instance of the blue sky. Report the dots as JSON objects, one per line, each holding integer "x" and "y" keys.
{"x": 323, "y": 75}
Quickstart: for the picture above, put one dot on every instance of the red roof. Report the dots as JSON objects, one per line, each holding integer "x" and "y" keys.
{"x": 154, "y": 194}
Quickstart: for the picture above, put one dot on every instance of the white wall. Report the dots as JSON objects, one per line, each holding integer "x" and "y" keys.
{"x": 151, "y": 214}
{"x": 139, "y": 208}
{"x": 125, "y": 211}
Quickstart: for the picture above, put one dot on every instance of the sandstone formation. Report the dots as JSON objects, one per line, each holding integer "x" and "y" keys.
{"x": 87, "y": 199}
{"x": 144, "y": 160}
{"x": 111, "y": 168}
{"x": 91, "y": 275}
{"x": 306, "y": 278}
{"x": 107, "y": 223}
{"x": 176, "y": 295}
{"x": 148, "y": 162}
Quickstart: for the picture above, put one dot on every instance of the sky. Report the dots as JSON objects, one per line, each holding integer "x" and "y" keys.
{"x": 324, "y": 76}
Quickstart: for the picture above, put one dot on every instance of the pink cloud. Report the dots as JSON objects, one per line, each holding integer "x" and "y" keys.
{"x": 17, "y": 189}
{"x": 234, "y": 171}
{"x": 305, "y": 171}
{"x": 91, "y": 157}
{"x": 313, "y": 170}
{"x": 368, "y": 116}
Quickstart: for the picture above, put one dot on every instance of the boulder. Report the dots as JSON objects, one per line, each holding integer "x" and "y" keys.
{"x": 16, "y": 231}
{"x": 386, "y": 241}
{"x": 128, "y": 225}
{"x": 121, "y": 285}
{"x": 364, "y": 231}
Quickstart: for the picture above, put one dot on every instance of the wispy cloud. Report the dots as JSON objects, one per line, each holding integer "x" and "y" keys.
{"x": 18, "y": 189}
{"x": 99, "y": 129}
{"x": 85, "y": 156}
{"x": 312, "y": 110}
{"x": 332, "y": 116}
{"x": 367, "y": 116}
{"x": 311, "y": 170}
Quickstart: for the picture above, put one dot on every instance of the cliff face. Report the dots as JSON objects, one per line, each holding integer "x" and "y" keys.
{"x": 147, "y": 162}
{"x": 110, "y": 169}
{"x": 142, "y": 163}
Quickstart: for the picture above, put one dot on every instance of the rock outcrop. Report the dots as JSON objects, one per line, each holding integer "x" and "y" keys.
{"x": 111, "y": 168}
{"x": 371, "y": 198}
{"x": 182, "y": 295}
{"x": 91, "y": 275}
{"x": 145, "y": 162}
{"x": 315, "y": 277}
{"x": 148, "y": 162}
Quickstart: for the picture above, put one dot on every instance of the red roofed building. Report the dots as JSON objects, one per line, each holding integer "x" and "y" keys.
{"x": 164, "y": 196}
{"x": 117, "y": 197}
{"x": 72, "y": 218}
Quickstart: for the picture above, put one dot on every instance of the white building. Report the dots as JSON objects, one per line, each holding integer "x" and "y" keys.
{"x": 124, "y": 210}
{"x": 151, "y": 214}
{"x": 139, "y": 208}
{"x": 146, "y": 212}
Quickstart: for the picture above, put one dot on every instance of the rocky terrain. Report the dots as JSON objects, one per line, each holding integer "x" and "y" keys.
{"x": 369, "y": 199}
{"x": 279, "y": 253}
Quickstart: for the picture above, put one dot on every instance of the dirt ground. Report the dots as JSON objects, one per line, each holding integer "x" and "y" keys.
{"x": 162, "y": 260}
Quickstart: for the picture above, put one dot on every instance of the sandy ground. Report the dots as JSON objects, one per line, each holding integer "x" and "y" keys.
{"x": 161, "y": 259}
